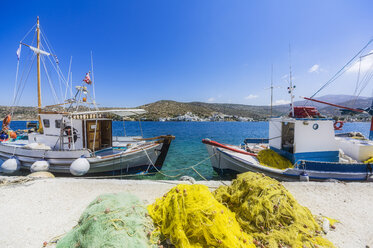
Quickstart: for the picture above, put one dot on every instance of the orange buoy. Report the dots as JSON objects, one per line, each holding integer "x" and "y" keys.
{"x": 6, "y": 121}
{"x": 12, "y": 135}
{"x": 84, "y": 99}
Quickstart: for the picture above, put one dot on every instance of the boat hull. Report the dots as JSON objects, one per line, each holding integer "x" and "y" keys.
{"x": 147, "y": 157}
{"x": 226, "y": 161}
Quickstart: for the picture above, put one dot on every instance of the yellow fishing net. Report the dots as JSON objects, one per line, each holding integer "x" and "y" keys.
{"x": 189, "y": 216}
{"x": 271, "y": 158}
{"x": 268, "y": 212}
{"x": 369, "y": 161}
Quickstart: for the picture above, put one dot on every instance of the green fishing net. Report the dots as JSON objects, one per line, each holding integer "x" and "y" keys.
{"x": 189, "y": 216}
{"x": 271, "y": 158}
{"x": 112, "y": 220}
{"x": 268, "y": 212}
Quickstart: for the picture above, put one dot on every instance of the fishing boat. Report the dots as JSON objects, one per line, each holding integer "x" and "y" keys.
{"x": 309, "y": 141}
{"x": 75, "y": 136}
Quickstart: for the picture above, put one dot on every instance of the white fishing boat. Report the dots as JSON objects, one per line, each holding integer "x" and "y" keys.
{"x": 308, "y": 140}
{"x": 309, "y": 143}
{"x": 75, "y": 137}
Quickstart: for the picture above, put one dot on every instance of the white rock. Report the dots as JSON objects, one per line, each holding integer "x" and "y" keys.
{"x": 325, "y": 225}
{"x": 188, "y": 178}
{"x": 41, "y": 174}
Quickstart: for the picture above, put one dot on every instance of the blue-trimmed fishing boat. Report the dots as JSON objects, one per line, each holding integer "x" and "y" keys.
{"x": 308, "y": 140}
{"x": 311, "y": 146}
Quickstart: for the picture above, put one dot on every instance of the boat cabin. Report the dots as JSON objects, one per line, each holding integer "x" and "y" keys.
{"x": 66, "y": 132}
{"x": 304, "y": 139}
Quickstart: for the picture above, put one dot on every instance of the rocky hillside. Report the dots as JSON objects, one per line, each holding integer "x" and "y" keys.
{"x": 165, "y": 108}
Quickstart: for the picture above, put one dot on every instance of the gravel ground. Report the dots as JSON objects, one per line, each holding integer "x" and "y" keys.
{"x": 36, "y": 211}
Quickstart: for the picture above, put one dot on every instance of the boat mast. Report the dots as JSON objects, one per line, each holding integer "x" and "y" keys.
{"x": 38, "y": 68}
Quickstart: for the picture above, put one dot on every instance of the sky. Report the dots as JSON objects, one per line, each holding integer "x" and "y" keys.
{"x": 209, "y": 51}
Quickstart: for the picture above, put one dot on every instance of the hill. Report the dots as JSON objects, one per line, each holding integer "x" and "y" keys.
{"x": 167, "y": 108}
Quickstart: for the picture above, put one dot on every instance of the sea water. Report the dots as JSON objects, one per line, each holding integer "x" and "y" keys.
{"x": 187, "y": 149}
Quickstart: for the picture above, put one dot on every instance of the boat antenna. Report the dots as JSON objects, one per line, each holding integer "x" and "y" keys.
{"x": 68, "y": 78}
{"x": 271, "y": 89}
{"x": 93, "y": 82}
{"x": 291, "y": 87}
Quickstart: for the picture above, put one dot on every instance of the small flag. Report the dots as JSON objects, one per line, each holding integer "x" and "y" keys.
{"x": 87, "y": 78}
{"x": 19, "y": 51}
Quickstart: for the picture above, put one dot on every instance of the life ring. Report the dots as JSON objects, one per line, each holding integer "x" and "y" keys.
{"x": 338, "y": 125}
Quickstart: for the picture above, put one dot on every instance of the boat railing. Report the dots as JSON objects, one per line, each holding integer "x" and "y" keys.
{"x": 256, "y": 141}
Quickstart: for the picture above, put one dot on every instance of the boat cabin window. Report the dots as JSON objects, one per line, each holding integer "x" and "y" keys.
{"x": 287, "y": 137}
{"x": 58, "y": 123}
{"x": 46, "y": 123}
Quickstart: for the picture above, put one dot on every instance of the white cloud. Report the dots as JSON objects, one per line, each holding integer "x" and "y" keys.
{"x": 314, "y": 68}
{"x": 251, "y": 96}
{"x": 211, "y": 99}
{"x": 281, "y": 102}
{"x": 364, "y": 65}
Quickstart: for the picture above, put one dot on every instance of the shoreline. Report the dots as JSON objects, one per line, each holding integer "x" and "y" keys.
{"x": 42, "y": 209}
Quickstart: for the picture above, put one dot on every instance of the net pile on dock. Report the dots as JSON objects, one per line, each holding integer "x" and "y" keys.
{"x": 268, "y": 212}
{"x": 271, "y": 158}
{"x": 112, "y": 220}
{"x": 189, "y": 216}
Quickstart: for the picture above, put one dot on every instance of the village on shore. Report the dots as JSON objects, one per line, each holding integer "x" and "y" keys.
{"x": 219, "y": 117}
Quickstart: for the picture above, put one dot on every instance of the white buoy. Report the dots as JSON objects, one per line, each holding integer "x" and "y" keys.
{"x": 79, "y": 167}
{"x": 11, "y": 165}
{"x": 41, "y": 165}
{"x": 303, "y": 177}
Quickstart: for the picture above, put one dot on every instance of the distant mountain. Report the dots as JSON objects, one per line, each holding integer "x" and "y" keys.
{"x": 343, "y": 100}
{"x": 166, "y": 108}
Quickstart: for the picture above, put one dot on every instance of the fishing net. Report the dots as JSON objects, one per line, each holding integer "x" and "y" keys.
{"x": 268, "y": 212}
{"x": 271, "y": 158}
{"x": 112, "y": 220}
{"x": 369, "y": 161}
{"x": 189, "y": 216}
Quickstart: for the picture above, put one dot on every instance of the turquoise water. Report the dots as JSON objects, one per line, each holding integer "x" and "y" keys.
{"x": 187, "y": 149}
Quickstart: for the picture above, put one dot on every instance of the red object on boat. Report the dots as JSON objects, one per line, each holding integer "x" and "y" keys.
{"x": 306, "y": 112}
{"x": 217, "y": 144}
{"x": 338, "y": 125}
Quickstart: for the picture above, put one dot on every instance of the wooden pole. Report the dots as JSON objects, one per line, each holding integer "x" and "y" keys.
{"x": 38, "y": 68}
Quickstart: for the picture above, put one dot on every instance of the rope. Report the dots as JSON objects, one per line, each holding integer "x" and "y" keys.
{"x": 15, "y": 82}
{"x": 199, "y": 174}
{"x": 50, "y": 81}
{"x": 156, "y": 167}
{"x": 24, "y": 84}
{"x": 341, "y": 71}
{"x": 28, "y": 32}
{"x": 142, "y": 134}
{"x": 154, "y": 173}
